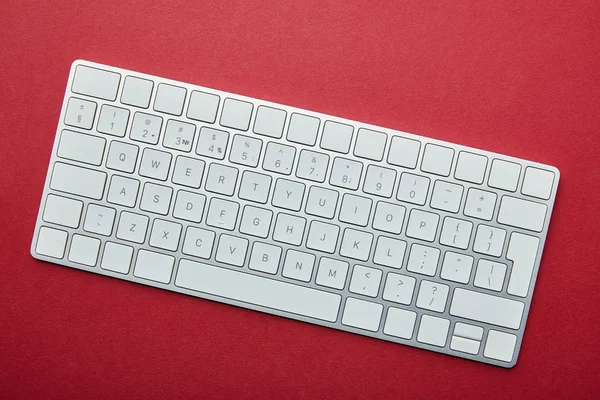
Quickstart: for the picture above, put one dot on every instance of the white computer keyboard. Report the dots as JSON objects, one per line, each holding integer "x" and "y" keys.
{"x": 295, "y": 213}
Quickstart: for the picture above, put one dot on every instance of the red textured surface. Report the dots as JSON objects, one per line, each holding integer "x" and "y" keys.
{"x": 515, "y": 77}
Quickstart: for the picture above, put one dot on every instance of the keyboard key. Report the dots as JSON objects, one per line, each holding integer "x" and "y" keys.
{"x": 522, "y": 213}
{"x": 355, "y": 209}
{"x": 298, "y": 265}
{"x": 404, "y": 152}
{"x": 480, "y": 204}
{"x": 123, "y": 191}
{"x": 400, "y": 323}
{"x": 422, "y": 225}
{"x": 370, "y": 144}
{"x": 51, "y": 242}
{"x": 365, "y": 281}
{"x": 312, "y": 166}
{"x": 198, "y": 242}
{"x": 487, "y": 308}
{"x": 179, "y": 135}
{"x": 413, "y": 188}
{"x": 379, "y": 181}
{"x": 336, "y": 137}
{"x": 255, "y": 187}
{"x": 321, "y": 202}
{"x": 169, "y": 99}
{"x": 265, "y": 258}
{"x": 332, "y": 273}
{"x": 116, "y": 257}
{"x": 256, "y": 221}
{"x": 165, "y": 235}
{"x": 236, "y": 114}
{"x": 399, "y": 288}
{"x": 269, "y": 121}
{"x": 490, "y": 275}
{"x": 489, "y": 240}
{"x": 96, "y": 82}
{"x": 212, "y": 143}
{"x": 155, "y": 164}
{"x": 464, "y": 345}
{"x": 259, "y": 291}
{"x": 288, "y": 194}
{"x": 203, "y": 106}
{"x": 322, "y": 236}
{"x": 468, "y": 331}
{"x": 80, "y": 113}
{"x": 156, "y": 198}
{"x": 132, "y": 227}
{"x": 389, "y": 252}
{"x": 303, "y": 129}
{"x": 538, "y": 183}
{"x": 279, "y": 158}
{"x": 231, "y": 250}
{"x": 84, "y": 250}
{"x": 99, "y": 219}
{"x": 189, "y": 206}
{"x": 437, "y": 159}
{"x": 154, "y": 266}
{"x": 522, "y": 251}
{"x": 456, "y": 267}
{"x": 78, "y": 181}
{"x": 245, "y": 150}
{"x": 362, "y": 314}
{"x": 221, "y": 179}
{"x": 113, "y": 120}
{"x": 470, "y": 167}
{"x": 356, "y": 244}
{"x": 433, "y": 330}
{"x": 222, "y": 214}
{"x": 62, "y": 211}
{"x": 145, "y": 128}
{"x": 188, "y": 172}
{"x": 289, "y": 229}
{"x": 79, "y": 147}
{"x": 388, "y": 217}
{"x": 456, "y": 233}
{"x": 137, "y": 92}
{"x": 504, "y": 175}
{"x": 345, "y": 173}
{"x": 500, "y": 346}
{"x": 446, "y": 196}
{"x": 122, "y": 156}
{"x": 423, "y": 259}
{"x": 432, "y": 296}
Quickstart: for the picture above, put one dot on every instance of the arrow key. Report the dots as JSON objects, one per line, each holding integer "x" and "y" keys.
{"x": 365, "y": 281}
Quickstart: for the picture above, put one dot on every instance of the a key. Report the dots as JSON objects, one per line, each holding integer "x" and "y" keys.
{"x": 221, "y": 179}
{"x": 470, "y": 167}
{"x": 388, "y": 217}
{"x": 231, "y": 250}
{"x": 345, "y": 173}
{"x": 404, "y": 152}
{"x": 165, "y": 235}
{"x": 236, "y": 114}
{"x": 355, "y": 209}
{"x": 156, "y": 198}
{"x": 288, "y": 194}
{"x": 51, "y": 242}
{"x": 489, "y": 240}
{"x": 487, "y": 308}
{"x": 433, "y": 330}
{"x": 265, "y": 258}
{"x": 188, "y": 172}
{"x": 279, "y": 158}
{"x": 422, "y": 225}
{"x": 480, "y": 204}
{"x": 423, "y": 259}
{"x": 490, "y": 275}
{"x": 113, "y": 120}
{"x": 413, "y": 188}
{"x": 389, "y": 252}
{"x": 365, "y": 281}
{"x": 189, "y": 206}
{"x": 145, "y": 128}
{"x": 84, "y": 250}
{"x": 336, "y": 137}
{"x": 298, "y": 265}
{"x": 198, "y": 242}
{"x": 446, "y": 196}
{"x": 370, "y": 144}
{"x": 255, "y": 187}
{"x": 117, "y": 257}
{"x": 322, "y": 236}
{"x": 522, "y": 251}
{"x": 356, "y": 244}
{"x": 80, "y": 113}
{"x": 500, "y": 345}
{"x": 522, "y": 213}
{"x": 154, "y": 266}
{"x": 256, "y": 221}
{"x": 432, "y": 296}
{"x": 399, "y": 288}
{"x": 269, "y": 121}
{"x": 437, "y": 159}
{"x": 155, "y": 164}
{"x": 122, "y": 156}
{"x": 245, "y": 150}
{"x": 96, "y": 82}
{"x": 62, "y": 211}
{"x": 222, "y": 214}
{"x": 99, "y": 219}
{"x": 203, "y": 106}
{"x": 289, "y": 229}
{"x": 80, "y": 147}
{"x": 538, "y": 183}
{"x": 169, "y": 99}
{"x": 504, "y": 175}
{"x": 379, "y": 181}
{"x": 132, "y": 227}
{"x": 212, "y": 143}
{"x": 362, "y": 314}
{"x": 303, "y": 129}
{"x": 332, "y": 273}
{"x": 321, "y": 202}
{"x": 456, "y": 233}
{"x": 312, "y": 166}
{"x": 400, "y": 323}
{"x": 179, "y": 135}
{"x": 79, "y": 181}
{"x": 123, "y": 191}
{"x": 137, "y": 91}
{"x": 456, "y": 267}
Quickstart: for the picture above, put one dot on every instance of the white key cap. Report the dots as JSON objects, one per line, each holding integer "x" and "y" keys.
{"x": 500, "y": 346}
{"x": 203, "y": 106}
{"x": 96, "y": 82}
{"x": 370, "y": 144}
{"x": 269, "y": 121}
{"x": 480, "y": 204}
{"x": 321, "y": 202}
{"x": 137, "y": 91}
{"x": 400, "y": 323}
{"x": 132, "y": 227}
{"x": 332, "y": 273}
{"x": 365, "y": 281}
{"x": 470, "y": 167}
{"x": 79, "y": 147}
{"x": 298, "y": 265}
{"x": 169, "y": 99}
{"x": 122, "y": 156}
{"x": 464, "y": 345}
{"x": 179, "y": 135}
{"x": 422, "y": 225}
{"x": 288, "y": 194}
{"x": 413, "y": 188}
{"x": 212, "y": 143}
{"x": 457, "y": 267}
{"x": 522, "y": 251}
{"x": 113, "y": 120}
{"x": 236, "y": 114}
{"x": 389, "y": 252}
{"x": 51, "y": 242}
{"x": 155, "y": 164}
{"x": 423, "y": 259}
{"x": 80, "y": 113}
{"x": 446, "y": 196}
{"x": 231, "y": 250}
{"x": 245, "y": 150}
{"x": 188, "y": 172}
{"x": 456, "y": 233}
{"x": 404, "y": 152}
{"x": 145, "y": 128}
{"x": 437, "y": 159}
{"x": 489, "y": 240}
{"x": 255, "y": 187}
{"x": 62, "y": 211}
{"x": 303, "y": 129}
{"x": 79, "y": 181}
{"x": 165, "y": 235}
{"x": 289, "y": 229}
{"x": 279, "y": 158}
{"x": 522, "y": 213}
{"x": 322, "y": 236}
{"x": 399, "y": 288}
{"x": 99, "y": 219}
{"x": 312, "y": 166}
{"x": 362, "y": 314}
{"x": 116, "y": 257}
{"x": 504, "y": 175}
{"x": 123, "y": 191}
{"x": 222, "y": 214}
{"x": 156, "y": 198}
{"x": 487, "y": 308}
{"x": 336, "y": 137}
{"x": 84, "y": 250}
{"x": 198, "y": 242}
{"x": 345, "y": 173}
{"x": 265, "y": 258}
{"x": 433, "y": 330}
{"x": 490, "y": 275}
{"x": 388, "y": 217}
{"x": 356, "y": 244}
{"x": 257, "y": 290}
{"x": 379, "y": 181}
{"x": 432, "y": 296}
{"x": 221, "y": 179}
{"x": 154, "y": 266}
{"x": 355, "y": 209}
{"x": 189, "y": 206}
{"x": 538, "y": 183}
{"x": 256, "y": 221}
{"x": 468, "y": 331}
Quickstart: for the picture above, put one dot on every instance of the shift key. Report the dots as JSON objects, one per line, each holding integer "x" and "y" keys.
{"x": 79, "y": 181}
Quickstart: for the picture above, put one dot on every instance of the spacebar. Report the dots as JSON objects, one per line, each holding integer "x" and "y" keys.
{"x": 258, "y": 291}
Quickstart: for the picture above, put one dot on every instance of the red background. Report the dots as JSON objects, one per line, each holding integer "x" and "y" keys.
{"x": 515, "y": 77}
